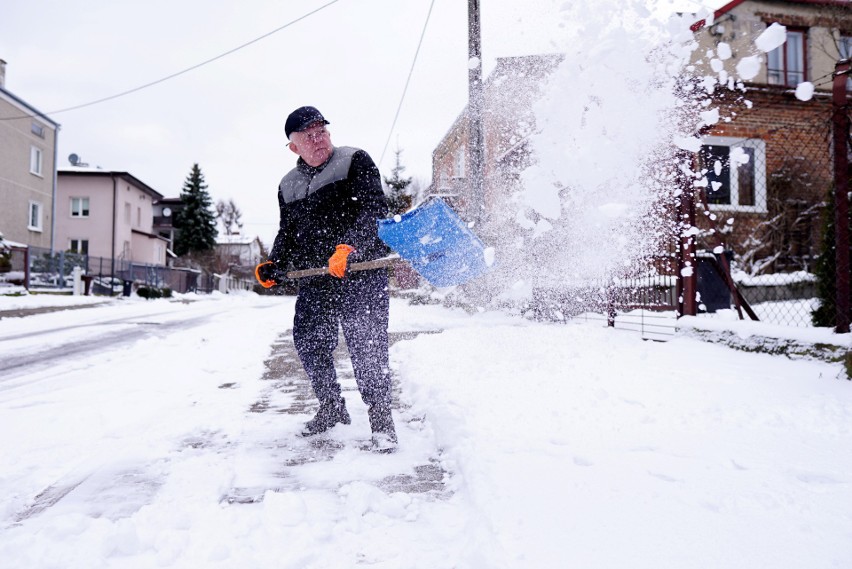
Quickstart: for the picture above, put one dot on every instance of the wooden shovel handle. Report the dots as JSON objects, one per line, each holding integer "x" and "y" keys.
{"x": 363, "y": 266}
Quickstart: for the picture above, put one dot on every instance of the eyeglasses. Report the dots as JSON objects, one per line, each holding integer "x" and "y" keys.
{"x": 315, "y": 134}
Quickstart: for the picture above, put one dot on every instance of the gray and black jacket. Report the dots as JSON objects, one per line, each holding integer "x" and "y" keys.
{"x": 337, "y": 202}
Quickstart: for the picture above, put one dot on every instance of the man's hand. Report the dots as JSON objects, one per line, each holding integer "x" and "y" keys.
{"x": 337, "y": 262}
{"x": 265, "y": 274}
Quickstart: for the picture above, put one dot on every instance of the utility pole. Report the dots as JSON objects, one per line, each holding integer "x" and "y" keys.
{"x": 476, "y": 198}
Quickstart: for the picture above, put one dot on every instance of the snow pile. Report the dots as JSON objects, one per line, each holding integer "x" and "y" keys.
{"x": 30, "y": 301}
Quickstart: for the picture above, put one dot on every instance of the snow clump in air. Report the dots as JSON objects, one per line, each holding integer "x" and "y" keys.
{"x": 601, "y": 146}
{"x": 619, "y": 111}
{"x": 772, "y": 37}
{"x": 805, "y": 91}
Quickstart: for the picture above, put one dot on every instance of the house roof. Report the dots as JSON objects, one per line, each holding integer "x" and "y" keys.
{"x": 170, "y": 201}
{"x": 26, "y": 107}
{"x": 149, "y": 235}
{"x": 80, "y": 172}
{"x": 734, "y": 3}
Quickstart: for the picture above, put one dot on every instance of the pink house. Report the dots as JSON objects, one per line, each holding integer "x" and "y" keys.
{"x": 107, "y": 214}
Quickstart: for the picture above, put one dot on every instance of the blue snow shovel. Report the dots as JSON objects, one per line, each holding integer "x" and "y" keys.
{"x": 434, "y": 241}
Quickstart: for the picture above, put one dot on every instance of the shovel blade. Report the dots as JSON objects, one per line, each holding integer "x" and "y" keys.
{"x": 437, "y": 243}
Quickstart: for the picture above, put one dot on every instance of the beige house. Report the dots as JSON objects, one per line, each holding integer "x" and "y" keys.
{"x": 27, "y": 170}
{"x": 107, "y": 214}
{"x": 819, "y": 32}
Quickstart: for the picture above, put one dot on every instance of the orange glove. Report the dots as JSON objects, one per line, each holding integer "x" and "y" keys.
{"x": 264, "y": 273}
{"x": 337, "y": 262}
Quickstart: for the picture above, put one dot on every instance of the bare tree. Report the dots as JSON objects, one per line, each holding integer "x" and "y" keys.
{"x": 229, "y": 216}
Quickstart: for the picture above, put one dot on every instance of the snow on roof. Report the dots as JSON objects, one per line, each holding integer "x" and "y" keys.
{"x": 90, "y": 169}
{"x": 12, "y": 244}
{"x": 87, "y": 170}
{"x": 236, "y": 239}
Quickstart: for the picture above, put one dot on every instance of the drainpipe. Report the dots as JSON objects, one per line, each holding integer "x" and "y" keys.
{"x": 112, "y": 253}
{"x": 53, "y": 192}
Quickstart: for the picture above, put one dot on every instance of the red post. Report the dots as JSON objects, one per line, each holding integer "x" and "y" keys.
{"x": 687, "y": 262}
{"x": 840, "y": 121}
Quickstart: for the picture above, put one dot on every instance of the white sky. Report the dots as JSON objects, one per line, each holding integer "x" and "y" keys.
{"x": 351, "y": 60}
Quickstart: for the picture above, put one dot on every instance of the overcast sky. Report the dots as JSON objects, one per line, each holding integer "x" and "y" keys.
{"x": 350, "y": 59}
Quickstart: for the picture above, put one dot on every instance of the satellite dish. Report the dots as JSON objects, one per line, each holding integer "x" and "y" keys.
{"x": 167, "y": 211}
{"x": 74, "y": 159}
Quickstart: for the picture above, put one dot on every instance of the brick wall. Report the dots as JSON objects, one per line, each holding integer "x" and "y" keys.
{"x": 796, "y": 177}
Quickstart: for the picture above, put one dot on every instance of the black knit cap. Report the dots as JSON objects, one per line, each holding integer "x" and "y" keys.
{"x": 302, "y": 118}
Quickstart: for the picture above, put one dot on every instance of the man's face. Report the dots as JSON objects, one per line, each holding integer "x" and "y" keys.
{"x": 313, "y": 144}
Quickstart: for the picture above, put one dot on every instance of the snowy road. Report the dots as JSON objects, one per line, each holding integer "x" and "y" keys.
{"x": 162, "y": 434}
{"x": 26, "y": 351}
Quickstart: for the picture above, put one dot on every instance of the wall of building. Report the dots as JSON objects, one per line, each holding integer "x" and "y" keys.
{"x": 509, "y": 94}
{"x": 130, "y": 206}
{"x": 97, "y": 227}
{"x": 740, "y": 26}
{"x": 797, "y": 176}
{"x": 18, "y": 186}
{"x": 148, "y": 248}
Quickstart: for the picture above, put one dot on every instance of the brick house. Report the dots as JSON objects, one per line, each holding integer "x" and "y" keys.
{"x": 27, "y": 170}
{"x": 768, "y": 161}
{"x": 507, "y": 121}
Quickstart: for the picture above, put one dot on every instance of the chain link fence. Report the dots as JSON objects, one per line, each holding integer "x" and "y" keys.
{"x": 763, "y": 204}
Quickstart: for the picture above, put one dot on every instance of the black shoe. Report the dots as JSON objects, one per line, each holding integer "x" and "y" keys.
{"x": 381, "y": 423}
{"x": 330, "y": 413}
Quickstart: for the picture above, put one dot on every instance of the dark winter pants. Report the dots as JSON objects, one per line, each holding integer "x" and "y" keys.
{"x": 358, "y": 303}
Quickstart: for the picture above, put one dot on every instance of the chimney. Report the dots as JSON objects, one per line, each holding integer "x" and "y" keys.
{"x": 2, "y": 74}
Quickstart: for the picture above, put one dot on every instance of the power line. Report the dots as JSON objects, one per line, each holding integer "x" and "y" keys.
{"x": 407, "y": 81}
{"x": 187, "y": 70}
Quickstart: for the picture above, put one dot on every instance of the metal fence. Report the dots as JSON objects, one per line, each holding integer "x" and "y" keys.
{"x": 38, "y": 268}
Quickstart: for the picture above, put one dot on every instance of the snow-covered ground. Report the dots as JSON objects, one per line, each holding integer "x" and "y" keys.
{"x": 522, "y": 445}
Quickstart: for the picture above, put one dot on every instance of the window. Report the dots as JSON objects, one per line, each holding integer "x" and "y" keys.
{"x": 846, "y": 53}
{"x": 79, "y": 207}
{"x": 127, "y": 213}
{"x": 459, "y": 163}
{"x": 735, "y": 173}
{"x": 34, "y": 220}
{"x": 35, "y": 160}
{"x": 138, "y": 217}
{"x": 37, "y": 129}
{"x": 80, "y": 246}
{"x": 786, "y": 63}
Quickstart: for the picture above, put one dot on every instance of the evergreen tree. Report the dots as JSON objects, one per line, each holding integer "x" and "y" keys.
{"x": 399, "y": 199}
{"x": 196, "y": 222}
{"x": 826, "y": 271}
